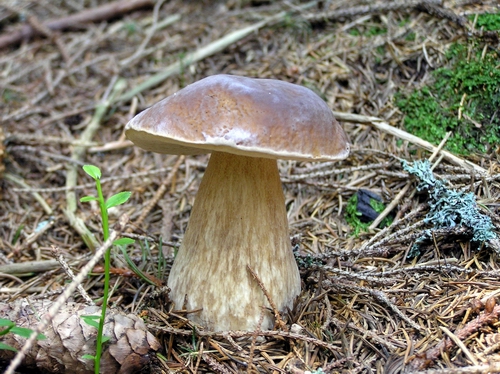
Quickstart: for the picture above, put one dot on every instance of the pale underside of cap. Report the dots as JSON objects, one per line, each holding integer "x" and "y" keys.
{"x": 246, "y": 116}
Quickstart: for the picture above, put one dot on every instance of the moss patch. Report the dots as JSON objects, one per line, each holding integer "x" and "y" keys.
{"x": 464, "y": 98}
{"x": 353, "y": 216}
{"x": 487, "y": 21}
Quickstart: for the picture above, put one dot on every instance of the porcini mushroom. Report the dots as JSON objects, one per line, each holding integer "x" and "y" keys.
{"x": 239, "y": 218}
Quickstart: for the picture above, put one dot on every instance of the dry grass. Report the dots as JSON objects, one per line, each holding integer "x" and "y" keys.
{"x": 365, "y": 307}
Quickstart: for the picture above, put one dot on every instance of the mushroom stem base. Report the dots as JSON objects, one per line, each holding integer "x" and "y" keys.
{"x": 238, "y": 220}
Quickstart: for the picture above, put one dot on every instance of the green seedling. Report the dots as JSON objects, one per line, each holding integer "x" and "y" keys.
{"x": 10, "y": 327}
{"x": 104, "y": 204}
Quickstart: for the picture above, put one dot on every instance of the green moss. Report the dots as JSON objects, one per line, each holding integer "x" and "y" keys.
{"x": 367, "y": 31}
{"x": 487, "y": 21}
{"x": 354, "y": 32}
{"x": 404, "y": 22}
{"x": 411, "y": 37}
{"x": 380, "y": 50}
{"x": 131, "y": 28}
{"x": 377, "y": 30}
{"x": 352, "y": 216}
{"x": 9, "y": 96}
{"x": 298, "y": 27}
{"x": 433, "y": 110}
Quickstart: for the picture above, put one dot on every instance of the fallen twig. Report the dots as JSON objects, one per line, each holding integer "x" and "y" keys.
{"x": 493, "y": 367}
{"x": 96, "y": 14}
{"x": 390, "y": 207}
{"x": 159, "y": 193}
{"x": 208, "y": 50}
{"x": 385, "y": 127}
{"x": 56, "y": 252}
{"x": 278, "y": 321}
{"x": 380, "y": 296}
{"x": 28, "y": 267}
{"x": 245, "y": 334}
{"x": 432, "y": 7}
{"x": 425, "y": 359}
{"x": 17, "y": 180}
{"x": 77, "y": 223}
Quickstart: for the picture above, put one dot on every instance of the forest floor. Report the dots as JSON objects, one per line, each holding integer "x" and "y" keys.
{"x": 418, "y": 295}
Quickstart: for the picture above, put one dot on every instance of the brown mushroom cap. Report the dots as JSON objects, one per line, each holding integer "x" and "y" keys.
{"x": 245, "y": 116}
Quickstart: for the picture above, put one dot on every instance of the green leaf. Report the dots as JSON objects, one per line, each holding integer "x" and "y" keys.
{"x": 86, "y": 199}
{"x": 26, "y": 333}
{"x": 134, "y": 268}
{"x": 93, "y": 171}
{"x": 91, "y": 320}
{"x": 17, "y": 234}
{"x": 6, "y": 322}
{"x": 88, "y": 357}
{"x": 5, "y": 331}
{"x": 105, "y": 339}
{"x": 7, "y": 347}
{"x": 118, "y": 199}
{"x": 124, "y": 241}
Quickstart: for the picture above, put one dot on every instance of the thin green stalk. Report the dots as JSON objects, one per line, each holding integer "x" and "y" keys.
{"x": 100, "y": 330}
{"x": 104, "y": 210}
{"x": 107, "y": 259}
{"x": 104, "y": 205}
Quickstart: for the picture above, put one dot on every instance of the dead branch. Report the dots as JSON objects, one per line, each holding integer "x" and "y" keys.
{"x": 114, "y": 89}
{"x": 385, "y": 127}
{"x": 29, "y": 267}
{"x": 422, "y": 361}
{"x": 159, "y": 193}
{"x": 425, "y": 5}
{"x": 245, "y": 334}
{"x": 204, "y": 52}
{"x": 20, "y": 182}
{"x": 379, "y": 295}
{"x": 97, "y": 14}
{"x": 493, "y": 367}
{"x": 56, "y": 252}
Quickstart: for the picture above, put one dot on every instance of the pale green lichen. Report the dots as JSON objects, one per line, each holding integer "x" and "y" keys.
{"x": 450, "y": 208}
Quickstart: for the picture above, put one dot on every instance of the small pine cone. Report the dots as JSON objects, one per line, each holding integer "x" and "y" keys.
{"x": 69, "y": 338}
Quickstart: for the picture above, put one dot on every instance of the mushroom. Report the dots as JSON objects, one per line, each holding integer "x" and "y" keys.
{"x": 239, "y": 218}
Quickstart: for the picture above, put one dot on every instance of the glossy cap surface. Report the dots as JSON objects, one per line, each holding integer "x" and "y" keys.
{"x": 246, "y": 116}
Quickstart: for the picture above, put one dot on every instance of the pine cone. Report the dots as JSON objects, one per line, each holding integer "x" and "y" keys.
{"x": 69, "y": 338}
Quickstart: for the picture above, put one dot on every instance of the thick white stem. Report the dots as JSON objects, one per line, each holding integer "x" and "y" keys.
{"x": 238, "y": 219}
